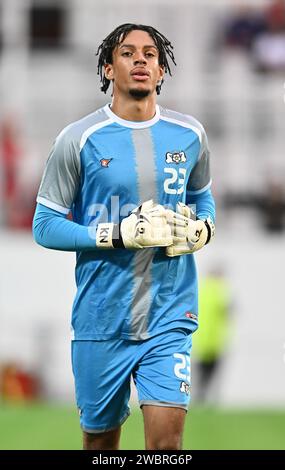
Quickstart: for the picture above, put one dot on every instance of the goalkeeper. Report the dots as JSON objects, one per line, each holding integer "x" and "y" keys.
{"x": 127, "y": 174}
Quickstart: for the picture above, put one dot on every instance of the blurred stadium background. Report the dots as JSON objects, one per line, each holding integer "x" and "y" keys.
{"x": 230, "y": 75}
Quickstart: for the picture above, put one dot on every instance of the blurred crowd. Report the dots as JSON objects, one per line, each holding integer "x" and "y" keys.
{"x": 17, "y": 384}
{"x": 18, "y": 185}
{"x": 259, "y": 32}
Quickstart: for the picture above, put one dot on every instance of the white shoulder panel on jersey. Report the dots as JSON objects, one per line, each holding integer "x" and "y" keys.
{"x": 61, "y": 177}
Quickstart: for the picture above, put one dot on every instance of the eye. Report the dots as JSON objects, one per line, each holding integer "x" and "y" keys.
{"x": 150, "y": 54}
{"x": 126, "y": 54}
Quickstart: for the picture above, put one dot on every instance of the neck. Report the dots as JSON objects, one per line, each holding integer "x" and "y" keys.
{"x": 134, "y": 110}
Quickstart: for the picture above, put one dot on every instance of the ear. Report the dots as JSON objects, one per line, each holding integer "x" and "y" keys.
{"x": 109, "y": 73}
{"x": 161, "y": 73}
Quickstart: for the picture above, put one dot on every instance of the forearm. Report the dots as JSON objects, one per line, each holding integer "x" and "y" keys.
{"x": 145, "y": 227}
{"x": 205, "y": 205}
{"x": 52, "y": 230}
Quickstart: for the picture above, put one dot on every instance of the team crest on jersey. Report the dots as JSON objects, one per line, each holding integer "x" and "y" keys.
{"x": 175, "y": 157}
{"x": 185, "y": 388}
{"x": 105, "y": 162}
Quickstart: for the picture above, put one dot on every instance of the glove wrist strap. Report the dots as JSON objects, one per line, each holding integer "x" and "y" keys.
{"x": 117, "y": 239}
{"x": 210, "y": 228}
{"x": 108, "y": 235}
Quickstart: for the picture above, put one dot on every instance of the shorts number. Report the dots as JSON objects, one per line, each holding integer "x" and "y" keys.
{"x": 183, "y": 364}
{"x": 172, "y": 181}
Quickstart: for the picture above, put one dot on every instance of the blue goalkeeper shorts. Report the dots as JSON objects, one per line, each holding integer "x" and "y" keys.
{"x": 160, "y": 367}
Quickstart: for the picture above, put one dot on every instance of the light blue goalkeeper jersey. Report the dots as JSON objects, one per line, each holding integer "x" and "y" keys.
{"x": 100, "y": 168}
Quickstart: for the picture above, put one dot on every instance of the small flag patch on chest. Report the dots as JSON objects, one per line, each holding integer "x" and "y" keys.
{"x": 105, "y": 162}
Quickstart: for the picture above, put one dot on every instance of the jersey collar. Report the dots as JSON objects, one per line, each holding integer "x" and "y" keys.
{"x": 133, "y": 124}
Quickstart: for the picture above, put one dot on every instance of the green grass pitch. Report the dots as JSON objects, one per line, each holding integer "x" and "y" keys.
{"x": 46, "y": 426}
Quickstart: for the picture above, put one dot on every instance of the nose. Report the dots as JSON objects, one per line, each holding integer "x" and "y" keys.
{"x": 139, "y": 59}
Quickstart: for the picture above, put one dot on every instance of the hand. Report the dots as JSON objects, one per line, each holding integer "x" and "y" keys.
{"x": 189, "y": 234}
{"x": 145, "y": 227}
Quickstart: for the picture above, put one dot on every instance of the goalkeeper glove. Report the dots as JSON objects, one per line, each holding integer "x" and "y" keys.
{"x": 189, "y": 234}
{"x": 145, "y": 227}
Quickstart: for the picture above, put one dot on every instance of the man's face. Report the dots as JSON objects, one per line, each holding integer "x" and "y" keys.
{"x": 135, "y": 70}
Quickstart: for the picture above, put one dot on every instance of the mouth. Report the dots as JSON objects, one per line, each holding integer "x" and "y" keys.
{"x": 140, "y": 75}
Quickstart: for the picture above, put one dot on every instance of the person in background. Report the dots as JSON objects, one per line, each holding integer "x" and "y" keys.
{"x": 211, "y": 340}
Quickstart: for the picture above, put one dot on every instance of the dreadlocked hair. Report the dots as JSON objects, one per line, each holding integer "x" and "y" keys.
{"x": 105, "y": 50}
